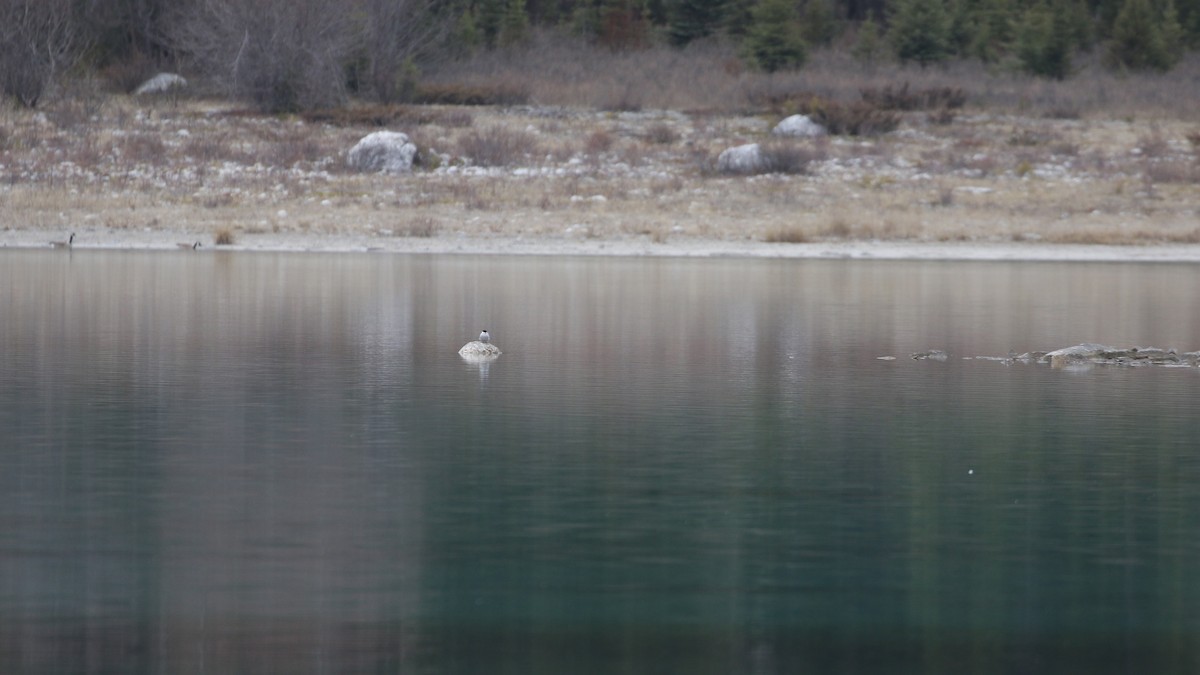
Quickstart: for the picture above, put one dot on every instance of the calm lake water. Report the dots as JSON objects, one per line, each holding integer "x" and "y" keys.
{"x": 278, "y": 463}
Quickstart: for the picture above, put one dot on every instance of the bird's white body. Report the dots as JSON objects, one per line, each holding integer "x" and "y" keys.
{"x": 484, "y": 337}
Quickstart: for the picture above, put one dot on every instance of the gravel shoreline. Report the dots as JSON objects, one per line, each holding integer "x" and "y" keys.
{"x": 985, "y": 187}
{"x": 681, "y": 247}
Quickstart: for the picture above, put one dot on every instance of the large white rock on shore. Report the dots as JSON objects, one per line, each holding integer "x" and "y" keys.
{"x": 740, "y": 159}
{"x": 383, "y": 152}
{"x": 161, "y": 84}
{"x": 798, "y": 125}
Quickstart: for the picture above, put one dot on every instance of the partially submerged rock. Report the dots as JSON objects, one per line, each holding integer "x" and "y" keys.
{"x": 383, "y": 152}
{"x": 160, "y": 84}
{"x": 742, "y": 159}
{"x": 930, "y": 354}
{"x": 798, "y": 125}
{"x": 1090, "y": 353}
{"x": 479, "y": 350}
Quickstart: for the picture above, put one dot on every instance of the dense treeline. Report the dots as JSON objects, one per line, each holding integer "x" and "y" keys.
{"x": 298, "y": 54}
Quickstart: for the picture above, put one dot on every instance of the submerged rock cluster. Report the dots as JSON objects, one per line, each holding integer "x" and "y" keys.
{"x": 1095, "y": 354}
{"x": 1086, "y": 354}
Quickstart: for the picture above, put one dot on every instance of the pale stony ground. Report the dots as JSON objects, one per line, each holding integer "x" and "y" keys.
{"x": 136, "y": 175}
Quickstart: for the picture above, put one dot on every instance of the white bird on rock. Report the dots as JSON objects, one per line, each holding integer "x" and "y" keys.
{"x": 484, "y": 337}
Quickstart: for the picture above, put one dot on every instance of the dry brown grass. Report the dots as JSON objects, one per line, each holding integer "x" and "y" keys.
{"x": 421, "y": 227}
{"x": 786, "y": 235}
{"x": 498, "y": 145}
{"x": 223, "y": 236}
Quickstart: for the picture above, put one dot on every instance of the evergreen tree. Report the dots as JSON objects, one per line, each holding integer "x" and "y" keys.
{"x": 694, "y": 19}
{"x": 920, "y": 31}
{"x": 869, "y": 44}
{"x": 514, "y": 24}
{"x": 773, "y": 41}
{"x": 993, "y": 31}
{"x": 488, "y": 15}
{"x": 1140, "y": 38}
{"x": 467, "y": 36}
{"x": 1045, "y": 44}
{"x": 1173, "y": 33}
{"x": 818, "y": 25}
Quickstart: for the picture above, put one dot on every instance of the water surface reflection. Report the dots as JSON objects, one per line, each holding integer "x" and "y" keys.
{"x": 278, "y": 463}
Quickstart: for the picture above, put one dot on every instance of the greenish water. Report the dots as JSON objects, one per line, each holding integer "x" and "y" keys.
{"x": 254, "y": 463}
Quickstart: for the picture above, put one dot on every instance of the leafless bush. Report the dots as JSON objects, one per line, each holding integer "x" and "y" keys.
{"x": 395, "y": 34}
{"x": 68, "y": 114}
{"x": 1153, "y": 145}
{"x": 786, "y": 235}
{"x": 941, "y": 116}
{"x": 597, "y": 142}
{"x": 497, "y": 146}
{"x": 39, "y": 40}
{"x": 494, "y": 93}
{"x": 1171, "y": 171}
{"x": 290, "y": 149}
{"x": 215, "y": 147}
{"x": 455, "y": 119}
{"x": 851, "y": 119}
{"x": 790, "y": 158}
{"x": 129, "y": 73}
{"x": 223, "y": 236}
{"x": 662, "y": 134}
{"x": 420, "y": 227}
{"x": 144, "y": 148}
{"x": 281, "y": 55}
{"x": 891, "y": 97}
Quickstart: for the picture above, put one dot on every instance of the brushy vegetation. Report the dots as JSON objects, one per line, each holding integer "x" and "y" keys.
{"x": 303, "y": 55}
{"x": 786, "y": 235}
{"x": 223, "y": 236}
{"x": 788, "y": 157}
{"x": 497, "y": 146}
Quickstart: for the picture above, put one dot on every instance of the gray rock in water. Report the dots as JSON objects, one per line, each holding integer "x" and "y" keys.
{"x": 383, "y": 152}
{"x": 741, "y": 159}
{"x": 476, "y": 349}
{"x": 161, "y": 84}
{"x": 930, "y": 354}
{"x": 798, "y": 125}
{"x": 1096, "y": 354}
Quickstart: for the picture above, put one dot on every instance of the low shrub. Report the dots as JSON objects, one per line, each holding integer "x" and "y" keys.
{"x": 465, "y": 94}
{"x": 421, "y": 227}
{"x": 889, "y": 97}
{"x": 662, "y": 134}
{"x": 597, "y": 142}
{"x": 790, "y": 158}
{"x": 786, "y": 235}
{"x": 851, "y": 119}
{"x": 127, "y": 74}
{"x": 497, "y": 146}
{"x": 143, "y": 149}
{"x": 223, "y": 236}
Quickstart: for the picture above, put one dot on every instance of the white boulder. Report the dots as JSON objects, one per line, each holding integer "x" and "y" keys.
{"x": 383, "y": 152}
{"x": 161, "y": 84}
{"x": 798, "y": 125}
{"x": 741, "y": 159}
{"x": 475, "y": 350}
